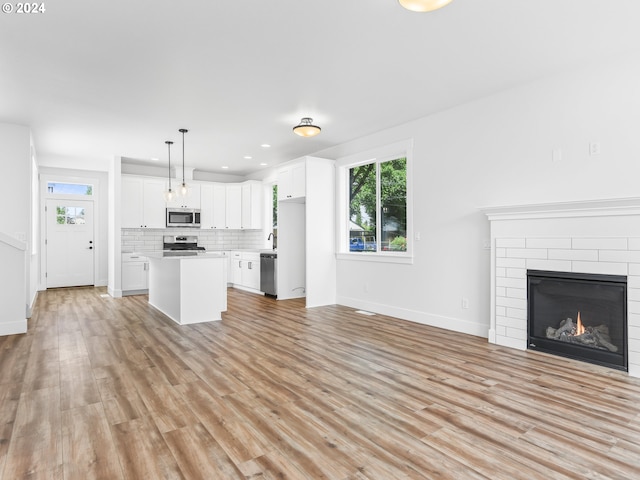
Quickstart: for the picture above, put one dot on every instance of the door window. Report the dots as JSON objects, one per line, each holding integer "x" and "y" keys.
{"x": 69, "y": 215}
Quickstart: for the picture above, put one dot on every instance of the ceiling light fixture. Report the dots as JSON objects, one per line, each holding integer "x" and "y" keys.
{"x": 184, "y": 189}
{"x": 424, "y": 5}
{"x": 169, "y": 195}
{"x": 306, "y": 128}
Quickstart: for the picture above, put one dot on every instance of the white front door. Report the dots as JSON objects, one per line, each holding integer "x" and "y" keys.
{"x": 70, "y": 247}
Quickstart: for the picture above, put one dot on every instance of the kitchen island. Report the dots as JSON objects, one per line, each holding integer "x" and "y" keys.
{"x": 188, "y": 288}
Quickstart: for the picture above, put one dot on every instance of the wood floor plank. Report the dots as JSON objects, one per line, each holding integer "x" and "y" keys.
{"x": 101, "y": 387}
{"x": 88, "y": 449}
{"x": 77, "y": 383}
{"x": 143, "y": 452}
{"x": 35, "y": 449}
{"x": 199, "y": 455}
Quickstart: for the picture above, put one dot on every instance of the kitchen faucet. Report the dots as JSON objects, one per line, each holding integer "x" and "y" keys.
{"x": 275, "y": 239}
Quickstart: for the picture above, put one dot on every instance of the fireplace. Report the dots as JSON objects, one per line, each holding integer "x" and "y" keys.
{"x": 578, "y": 315}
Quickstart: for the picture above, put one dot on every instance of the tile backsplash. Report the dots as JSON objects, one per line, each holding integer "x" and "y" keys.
{"x": 149, "y": 239}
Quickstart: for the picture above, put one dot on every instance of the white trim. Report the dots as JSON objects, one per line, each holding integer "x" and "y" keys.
{"x": 588, "y": 208}
{"x": 375, "y": 257}
{"x": 73, "y": 177}
{"x": 13, "y": 328}
{"x": 433, "y": 320}
{"x": 13, "y": 242}
{"x": 403, "y": 148}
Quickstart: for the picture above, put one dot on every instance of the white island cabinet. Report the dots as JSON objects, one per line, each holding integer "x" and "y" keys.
{"x": 188, "y": 289}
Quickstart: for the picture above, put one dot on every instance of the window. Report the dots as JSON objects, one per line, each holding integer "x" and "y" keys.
{"x": 58, "y": 188}
{"x": 376, "y": 204}
{"x": 70, "y": 215}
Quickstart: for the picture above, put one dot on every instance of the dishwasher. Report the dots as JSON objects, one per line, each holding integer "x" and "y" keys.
{"x": 269, "y": 274}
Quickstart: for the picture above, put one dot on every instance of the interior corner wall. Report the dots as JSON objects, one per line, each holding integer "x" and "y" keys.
{"x": 15, "y": 162}
{"x": 498, "y": 150}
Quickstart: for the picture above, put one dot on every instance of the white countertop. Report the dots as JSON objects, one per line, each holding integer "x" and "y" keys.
{"x": 198, "y": 256}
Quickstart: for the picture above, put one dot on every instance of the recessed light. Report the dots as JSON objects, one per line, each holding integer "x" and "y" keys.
{"x": 224, "y": 167}
{"x": 265, "y": 145}
{"x": 247, "y": 157}
{"x": 263, "y": 164}
{"x": 154, "y": 159}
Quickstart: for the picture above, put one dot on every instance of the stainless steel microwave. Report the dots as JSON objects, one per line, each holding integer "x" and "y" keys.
{"x": 183, "y": 217}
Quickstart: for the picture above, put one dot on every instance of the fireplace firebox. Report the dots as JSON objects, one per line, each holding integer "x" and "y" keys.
{"x": 580, "y": 316}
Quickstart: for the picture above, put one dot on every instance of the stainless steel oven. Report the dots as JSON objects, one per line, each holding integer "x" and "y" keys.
{"x": 183, "y": 217}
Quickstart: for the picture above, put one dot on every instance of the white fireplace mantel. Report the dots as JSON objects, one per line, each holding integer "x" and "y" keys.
{"x": 593, "y": 236}
{"x": 585, "y": 208}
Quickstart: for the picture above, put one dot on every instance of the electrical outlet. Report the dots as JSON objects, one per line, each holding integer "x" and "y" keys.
{"x": 465, "y": 303}
{"x": 594, "y": 148}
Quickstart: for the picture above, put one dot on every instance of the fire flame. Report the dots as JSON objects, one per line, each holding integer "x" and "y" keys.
{"x": 579, "y": 326}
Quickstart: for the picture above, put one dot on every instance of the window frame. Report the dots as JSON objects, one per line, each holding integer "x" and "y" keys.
{"x": 402, "y": 149}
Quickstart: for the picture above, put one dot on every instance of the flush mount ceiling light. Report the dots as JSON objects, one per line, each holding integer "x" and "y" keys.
{"x": 306, "y": 128}
{"x": 423, "y": 5}
{"x": 169, "y": 194}
{"x": 184, "y": 189}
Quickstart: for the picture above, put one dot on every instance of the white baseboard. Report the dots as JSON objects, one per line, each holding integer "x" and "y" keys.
{"x": 440, "y": 321}
{"x": 114, "y": 293}
{"x": 248, "y": 289}
{"x": 30, "y": 306}
{"x": 13, "y": 328}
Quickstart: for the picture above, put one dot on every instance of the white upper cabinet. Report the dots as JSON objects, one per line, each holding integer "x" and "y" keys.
{"x": 292, "y": 182}
{"x": 143, "y": 203}
{"x": 252, "y": 205}
{"x": 213, "y": 206}
{"x": 219, "y": 206}
{"x": 233, "y": 208}
{"x": 206, "y": 206}
{"x": 222, "y": 205}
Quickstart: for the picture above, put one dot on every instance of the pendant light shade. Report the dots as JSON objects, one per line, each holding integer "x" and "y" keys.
{"x": 423, "y": 5}
{"x": 306, "y": 128}
{"x": 169, "y": 194}
{"x": 183, "y": 189}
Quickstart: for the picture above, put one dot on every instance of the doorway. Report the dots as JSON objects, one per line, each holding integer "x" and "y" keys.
{"x": 69, "y": 243}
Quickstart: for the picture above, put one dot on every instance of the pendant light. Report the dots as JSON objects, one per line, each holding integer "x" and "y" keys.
{"x": 184, "y": 189}
{"x": 424, "y": 5}
{"x": 170, "y": 194}
{"x": 306, "y": 128}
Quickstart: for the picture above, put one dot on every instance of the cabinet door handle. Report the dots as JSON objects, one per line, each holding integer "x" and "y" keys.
{"x": 250, "y": 267}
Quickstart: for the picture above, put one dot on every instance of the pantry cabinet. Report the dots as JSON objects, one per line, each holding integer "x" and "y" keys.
{"x": 292, "y": 182}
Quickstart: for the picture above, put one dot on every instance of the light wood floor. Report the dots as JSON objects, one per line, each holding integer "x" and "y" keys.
{"x": 109, "y": 388}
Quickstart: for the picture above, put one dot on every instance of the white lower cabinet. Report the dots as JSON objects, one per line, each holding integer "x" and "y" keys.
{"x": 135, "y": 274}
{"x": 245, "y": 270}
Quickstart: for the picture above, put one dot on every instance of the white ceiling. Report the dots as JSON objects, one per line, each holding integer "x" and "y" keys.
{"x": 100, "y": 78}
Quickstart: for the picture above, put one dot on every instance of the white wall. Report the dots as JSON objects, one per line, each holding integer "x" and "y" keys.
{"x": 16, "y": 280}
{"x": 497, "y": 151}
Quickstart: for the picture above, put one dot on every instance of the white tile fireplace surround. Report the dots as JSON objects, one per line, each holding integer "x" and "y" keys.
{"x": 600, "y": 237}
